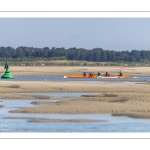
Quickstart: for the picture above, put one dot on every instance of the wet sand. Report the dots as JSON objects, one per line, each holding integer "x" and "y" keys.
{"x": 54, "y": 120}
{"x": 117, "y": 98}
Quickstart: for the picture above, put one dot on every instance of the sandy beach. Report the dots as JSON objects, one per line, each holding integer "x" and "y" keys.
{"x": 74, "y": 70}
{"x": 115, "y": 98}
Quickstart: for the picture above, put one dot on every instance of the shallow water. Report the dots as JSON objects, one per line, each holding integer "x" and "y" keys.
{"x": 61, "y": 78}
{"x": 111, "y": 124}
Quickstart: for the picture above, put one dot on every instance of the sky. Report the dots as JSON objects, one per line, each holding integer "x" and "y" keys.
{"x": 107, "y": 33}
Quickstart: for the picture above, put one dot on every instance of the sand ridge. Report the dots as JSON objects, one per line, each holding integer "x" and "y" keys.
{"x": 30, "y": 119}
{"x": 112, "y": 97}
{"x": 101, "y": 104}
{"x": 75, "y": 70}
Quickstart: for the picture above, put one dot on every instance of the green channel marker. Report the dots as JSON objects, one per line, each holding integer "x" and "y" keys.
{"x": 7, "y": 74}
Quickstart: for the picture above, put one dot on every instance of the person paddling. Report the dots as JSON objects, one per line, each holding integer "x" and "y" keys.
{"x": 106, "y": 74}
{"x": 84, "y": 74}
{"x": 98, "y": 74}
{"x": 120, "y": 73}
{"x": 90, "y": 75}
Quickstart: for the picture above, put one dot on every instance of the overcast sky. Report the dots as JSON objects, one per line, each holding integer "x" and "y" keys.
{"x": 106, "y": 33}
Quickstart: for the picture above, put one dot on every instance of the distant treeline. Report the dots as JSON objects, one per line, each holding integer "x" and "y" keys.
{"x": 95, "y": 55}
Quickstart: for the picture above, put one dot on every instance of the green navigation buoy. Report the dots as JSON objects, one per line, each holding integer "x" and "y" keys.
{"x": 7, "y": 74}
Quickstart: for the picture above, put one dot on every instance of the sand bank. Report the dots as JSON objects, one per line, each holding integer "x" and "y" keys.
{"x": 102, "y": 104}
{"x": 71, "y": 86}
{"x": 111, "y": 97}
{"x": 116, "y": 98}
{"x": 134, "y": 115}
{"x": 54, "y": 120}
{"x": 74, "y": 70}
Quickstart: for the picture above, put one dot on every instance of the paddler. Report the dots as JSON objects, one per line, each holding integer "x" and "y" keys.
{"x": 106, "y": 74}
{"x": 84, "y": 74}
{"x": 120, "y": 73}
{"x": 98, "y": 74}
{"x": 90, "y": 75}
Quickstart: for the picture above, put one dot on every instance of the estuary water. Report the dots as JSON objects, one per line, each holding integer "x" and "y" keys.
{"x": 61, "y": 78}
{"x": 109, "y": 123}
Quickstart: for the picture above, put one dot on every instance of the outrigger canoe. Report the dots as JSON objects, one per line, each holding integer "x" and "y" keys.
{"x": 94, "y": 76}
{"x": 116, "y": 76}
{"x": 79, "y": 76}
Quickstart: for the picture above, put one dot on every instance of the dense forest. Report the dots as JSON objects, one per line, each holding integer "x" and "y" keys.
{"x": 95, "y": 55}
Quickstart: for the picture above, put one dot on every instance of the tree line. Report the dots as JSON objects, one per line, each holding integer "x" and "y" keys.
{"x": 95, "y": 55}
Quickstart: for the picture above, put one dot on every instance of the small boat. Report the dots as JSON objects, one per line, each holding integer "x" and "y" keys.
{"x": 111, "y": 76}
{"x": 125, "y": 76}
{"x": 94, "y": 76}
{"x": 80, "y": 76}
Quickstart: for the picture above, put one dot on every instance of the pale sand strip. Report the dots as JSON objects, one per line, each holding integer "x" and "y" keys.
{"x": 74, "y": 70}
{"x": 71, "y": 86}
{"x": 134, "y": 115}
{"x": 54, "y": 120}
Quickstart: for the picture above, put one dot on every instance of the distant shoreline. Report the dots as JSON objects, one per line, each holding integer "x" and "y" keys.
{"x": 71, "y": 63}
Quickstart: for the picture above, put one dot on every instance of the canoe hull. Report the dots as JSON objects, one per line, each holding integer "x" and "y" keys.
{"x": 78, "y": 76}
{"x": 117, "y": 77}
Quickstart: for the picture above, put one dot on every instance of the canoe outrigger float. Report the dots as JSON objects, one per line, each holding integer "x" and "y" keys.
{"x": 94, "y": 76}
{"x": 117, "y": 76}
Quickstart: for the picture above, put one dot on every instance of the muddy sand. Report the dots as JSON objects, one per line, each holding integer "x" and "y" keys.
{"x": 112, "y": 97}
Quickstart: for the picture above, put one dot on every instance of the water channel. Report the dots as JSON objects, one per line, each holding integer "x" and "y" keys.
{"x": 109, "y": 123}
{"x": 61, "y": 78}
